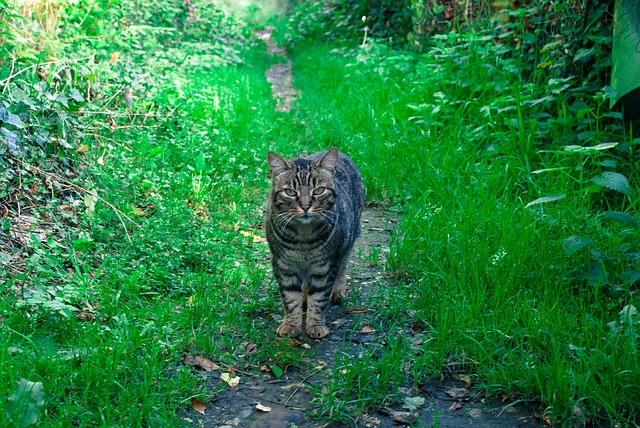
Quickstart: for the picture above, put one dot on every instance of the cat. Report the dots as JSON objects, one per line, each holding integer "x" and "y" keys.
{"x": 312, "y": 220}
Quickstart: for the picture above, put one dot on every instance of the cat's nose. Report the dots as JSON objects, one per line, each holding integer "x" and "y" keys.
{"x": 305, "y": 208}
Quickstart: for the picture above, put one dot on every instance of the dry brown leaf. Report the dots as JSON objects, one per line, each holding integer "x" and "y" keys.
{"x": 545, "y": 417}
{"x": 263, "y": 408}
{"x": 85, "y": 316}
{"x": 468, "y": 382}
{"x": 198, "y": 405}
{"x": 455, "y": 406}
{"x": 400, "y": 417}
{"x": 200, "y": 363}
{"x": 230, "y": 379}
{"x": 294, "y": 342}
{"x": 457, "y": 393}
{"x": 251, "y": 348}
{"x": 139, "y": 212}
{"x": 367, "y": 329}
{"x": 82, "y": 148}
{"x": 357, "y": 311}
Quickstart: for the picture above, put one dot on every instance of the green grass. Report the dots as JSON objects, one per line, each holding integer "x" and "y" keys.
{"x": 452, "y": 140}
{"x": 494, "y": 282}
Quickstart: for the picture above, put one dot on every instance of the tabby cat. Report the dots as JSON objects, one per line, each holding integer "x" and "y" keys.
{"x": 312, "y": 221}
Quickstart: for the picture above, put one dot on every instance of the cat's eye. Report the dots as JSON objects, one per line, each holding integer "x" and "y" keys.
{"x": 290, "y": 192}
{"x": 318, "y": 190}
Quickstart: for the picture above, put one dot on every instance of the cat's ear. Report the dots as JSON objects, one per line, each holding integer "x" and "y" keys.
{"x": 329, "y": 160}
{"x": 277, "y": 164}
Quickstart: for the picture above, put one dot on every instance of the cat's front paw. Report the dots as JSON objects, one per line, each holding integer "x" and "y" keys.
{"x": 288, "y": 330}
{"x": 317, "y": 331}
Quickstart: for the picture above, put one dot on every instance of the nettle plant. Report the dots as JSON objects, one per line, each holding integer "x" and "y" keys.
{"x": 601, "y": 243}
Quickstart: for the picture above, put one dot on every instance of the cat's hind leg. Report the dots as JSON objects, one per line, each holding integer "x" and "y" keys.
{"x": 339, "y": 290}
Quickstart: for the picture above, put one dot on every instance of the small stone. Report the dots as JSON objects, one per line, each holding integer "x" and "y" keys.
{"x": 245, "y": 413}
{"x": 233, "y": 422}
{"x": 475, "y": 413}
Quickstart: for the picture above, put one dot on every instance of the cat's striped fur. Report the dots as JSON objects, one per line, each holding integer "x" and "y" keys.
{"x": 312, "y": 221}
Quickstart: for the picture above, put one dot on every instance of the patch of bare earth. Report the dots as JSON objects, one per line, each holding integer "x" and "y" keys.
{"x": 264, "y": 400}
{"x": 279, "y": 75}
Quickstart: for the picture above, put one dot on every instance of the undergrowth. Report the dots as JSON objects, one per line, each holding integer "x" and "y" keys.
{"x": 133, "y": 176}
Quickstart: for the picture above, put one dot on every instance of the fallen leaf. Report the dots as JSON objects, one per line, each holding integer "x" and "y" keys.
{"x": 545, "y": 417}
{"x": 139, "y": 212}
{"x": 475, "y": 413}
{"x": 83, "y": 148}
{"x": 263, "y": 408}
{"x": 400, "y": 417}
{"x": 198, "y": 405}
{"x": 412, "y": 403}
{"x": 457, "y": 393}
{"x": 85, "y": 316}
{"x": 251, "y": 348}
{"x": 276, "y": 371}
{"x": 256, "y": 238}
{"x": 367, "y": 329}
{"x": 294, "y": 342}
{"x": 114, "y": 57}
{"x": 467, "y": 380}
{"x": 200, "y": 363}
{"x": 455, "y": 406}
{"x": 229, "y": 379}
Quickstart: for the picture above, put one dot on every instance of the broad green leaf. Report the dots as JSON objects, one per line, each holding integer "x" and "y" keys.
{"x": 545, "y": 199}
{"x": 583, "y": 55}
{"x": 608, "y": 163}
{"x": 630, "y": 277}
{"x": 76, "y": 95}
{"x": 575, "y": 243}
{"x": 25, "y": 403}
{"x": 627, "y": 313}
{"x": 412, "y": 403}
{"x": 277, "y": 371}
{"x": 90, "y": 200}
{"x": 620, "y": 217}
{"x": 613, "y": 181}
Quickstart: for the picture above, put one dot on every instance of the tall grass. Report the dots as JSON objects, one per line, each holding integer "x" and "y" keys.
{"x": 462, "y": 146}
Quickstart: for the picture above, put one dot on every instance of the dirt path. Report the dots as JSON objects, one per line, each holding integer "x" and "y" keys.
{"x": 279, "y": 75}
{"x": 447, "y": 403}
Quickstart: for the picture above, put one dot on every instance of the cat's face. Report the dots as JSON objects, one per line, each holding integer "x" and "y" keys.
{"x": 302, "y": 190}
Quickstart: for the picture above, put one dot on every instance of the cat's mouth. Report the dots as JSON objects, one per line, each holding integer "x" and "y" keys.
{"x": 305, "y": 217}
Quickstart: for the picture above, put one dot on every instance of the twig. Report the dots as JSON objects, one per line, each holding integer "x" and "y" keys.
{"x": 301, "y": 383}
{"x": 6, "y": 81}
{"x": 118, "y": 213}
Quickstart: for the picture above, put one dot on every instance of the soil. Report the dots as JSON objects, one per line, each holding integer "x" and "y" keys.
{"x": 449, "y": 402}
{"x": 279, "y": 75}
